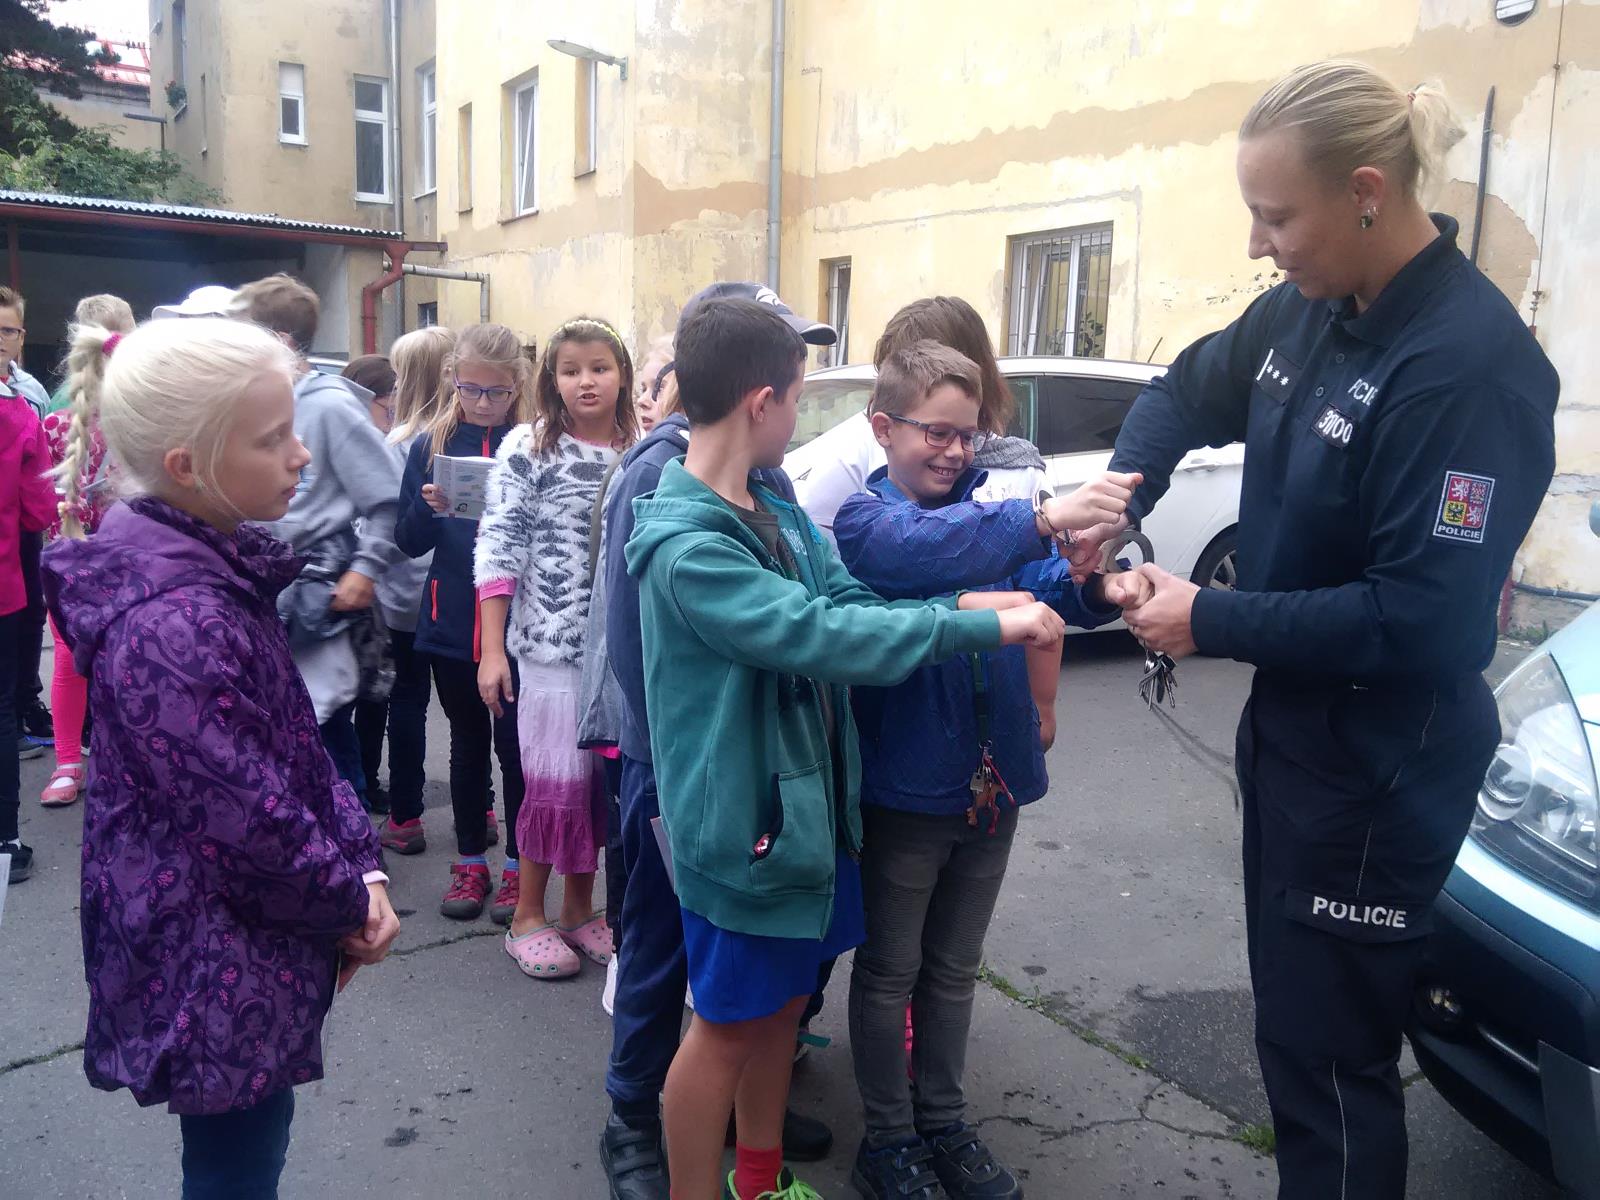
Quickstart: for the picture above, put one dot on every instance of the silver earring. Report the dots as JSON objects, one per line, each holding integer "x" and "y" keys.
{"x": 1368, "y": 218}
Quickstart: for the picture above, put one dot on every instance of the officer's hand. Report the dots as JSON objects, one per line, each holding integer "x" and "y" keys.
{"x": 1161, "y": 623}
{"x": 1084, "y": 556}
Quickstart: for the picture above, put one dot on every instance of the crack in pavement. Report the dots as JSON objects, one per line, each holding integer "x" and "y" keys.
{"x": 1088, "y": 1036}
{"x": 49, "y": 1056}
{"x": 36, "y": 1060}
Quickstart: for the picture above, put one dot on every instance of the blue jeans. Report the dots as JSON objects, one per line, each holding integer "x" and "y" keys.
{"x": 237, "y": 1155}
{"x": 652, "y": 966}
{"x": 344, "y": 747}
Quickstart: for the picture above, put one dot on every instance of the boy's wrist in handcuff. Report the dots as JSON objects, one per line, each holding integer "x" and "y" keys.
{"x": 1046, "y": 527}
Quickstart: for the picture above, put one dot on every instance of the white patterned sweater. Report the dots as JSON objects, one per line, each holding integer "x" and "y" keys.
{"x": 535, "y": 532}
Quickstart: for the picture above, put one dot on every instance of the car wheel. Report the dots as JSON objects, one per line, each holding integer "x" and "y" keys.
{"x": 1218, "y": 564}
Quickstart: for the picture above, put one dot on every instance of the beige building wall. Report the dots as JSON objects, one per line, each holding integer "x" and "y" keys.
{"x": 108, "y": 105}
{"x": 677, "y": 196}
{"x": 918, "y": 140}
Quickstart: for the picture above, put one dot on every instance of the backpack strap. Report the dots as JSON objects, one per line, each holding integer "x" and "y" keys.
{"x": 597, "y": 518}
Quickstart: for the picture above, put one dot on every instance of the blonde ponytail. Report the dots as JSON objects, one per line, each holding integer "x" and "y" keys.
{"x": 86, "y": 372}
{"x": 1346, "y": 115}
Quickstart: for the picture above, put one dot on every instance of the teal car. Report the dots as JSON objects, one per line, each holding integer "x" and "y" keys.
{"x": 1507, "y": 1016}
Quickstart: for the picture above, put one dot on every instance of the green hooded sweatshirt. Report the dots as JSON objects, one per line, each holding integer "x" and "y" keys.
{"x": 736, "y": 653}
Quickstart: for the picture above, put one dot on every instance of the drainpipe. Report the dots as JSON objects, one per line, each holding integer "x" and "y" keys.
{"x": 397, "y": 252}
{"x": 477, "y": 277}
{"x": 397, "y": 143}
{"x": 775, "y": 158}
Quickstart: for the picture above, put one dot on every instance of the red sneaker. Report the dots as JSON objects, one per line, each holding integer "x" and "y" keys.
{"x": 403, "y": 837}
{"x": 469, "y": 886}
{"x": 505, "y": 900}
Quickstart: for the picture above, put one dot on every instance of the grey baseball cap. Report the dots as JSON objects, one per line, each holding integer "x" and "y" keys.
{"x": 815, "y": 333}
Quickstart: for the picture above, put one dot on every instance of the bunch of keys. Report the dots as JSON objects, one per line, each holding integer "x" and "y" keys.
{"x": 987, "y": 787}
{"x": 1157, "y": 685}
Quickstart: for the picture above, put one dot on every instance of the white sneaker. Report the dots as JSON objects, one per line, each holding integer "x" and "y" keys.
{"x": 608, "y": 998}
{"x": 688, "y": 998}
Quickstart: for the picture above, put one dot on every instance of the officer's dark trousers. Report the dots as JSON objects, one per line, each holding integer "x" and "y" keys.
{"x": 1355, "y": 804}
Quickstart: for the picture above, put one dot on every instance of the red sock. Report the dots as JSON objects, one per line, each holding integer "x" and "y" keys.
{"x": 756, "y": 1171}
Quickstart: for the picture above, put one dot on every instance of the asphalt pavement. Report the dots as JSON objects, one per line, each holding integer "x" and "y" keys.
{"x": 1111, "y": 1049}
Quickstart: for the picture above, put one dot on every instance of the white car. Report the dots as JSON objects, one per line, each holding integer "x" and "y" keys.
{"x": 1072, "y": 410}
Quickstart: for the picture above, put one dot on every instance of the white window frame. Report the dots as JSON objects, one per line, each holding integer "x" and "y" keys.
{"x": 525, "y": 149}
{"x": 1027, "y": 298}
{"x": 589, "y": 80}
{"x": 427, "y": 314}
{"x": 286, "y": 92}
{"x": 839, "y": 278}
{"x": 428, "y": 130}
{"x": 380, "y": 118}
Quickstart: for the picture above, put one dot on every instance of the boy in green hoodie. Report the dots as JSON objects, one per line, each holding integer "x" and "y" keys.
{"x": 752, "y": 632}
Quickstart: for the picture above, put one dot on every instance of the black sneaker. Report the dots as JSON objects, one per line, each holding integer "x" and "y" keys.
{"x": 633, "y": 1162}
{"x": 21, "y": 860}
{"x": 966, "y": 1167}
{"x": 35, "y": 721}
{"x": 27, "y": 747}
{"x": 378, "y": 800}
{"x": 903, "y": 1172}
{"x": 805, "y": 1139}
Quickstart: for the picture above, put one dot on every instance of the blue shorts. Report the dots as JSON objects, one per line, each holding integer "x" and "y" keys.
{"x": 745, "y": 976}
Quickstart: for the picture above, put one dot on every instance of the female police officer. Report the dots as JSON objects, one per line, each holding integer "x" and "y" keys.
{"x": 1397, "y": 417}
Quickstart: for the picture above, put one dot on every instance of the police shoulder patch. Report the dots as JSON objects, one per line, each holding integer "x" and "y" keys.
{"x": 1463, "y": 507}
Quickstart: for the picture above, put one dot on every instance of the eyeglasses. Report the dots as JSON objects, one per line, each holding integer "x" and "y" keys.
{"x": 494, "y": 395}
{"x": 940, "y": 436}
{"x": 11, "y": 331}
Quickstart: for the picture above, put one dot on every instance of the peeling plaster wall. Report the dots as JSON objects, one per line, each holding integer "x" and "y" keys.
{"x": 678, "y": 197}
{"x": 920, "y": 135}
{"x": 918, "y": 140}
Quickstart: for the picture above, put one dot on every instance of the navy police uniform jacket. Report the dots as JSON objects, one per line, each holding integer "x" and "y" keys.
{"x": 1394, "y": 460}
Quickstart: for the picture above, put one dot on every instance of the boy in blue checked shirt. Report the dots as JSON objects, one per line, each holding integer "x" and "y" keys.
{"x": 939, "y": 812}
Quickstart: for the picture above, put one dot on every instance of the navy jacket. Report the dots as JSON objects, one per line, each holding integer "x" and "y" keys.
{"x": 637, "y": 476}
{"x": 920, "y": 740}
{"x": 1394, "y": 461}
{"x": 448, "y": 622}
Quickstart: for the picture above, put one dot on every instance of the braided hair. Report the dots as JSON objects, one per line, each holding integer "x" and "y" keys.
{"x": 86, "y": 373}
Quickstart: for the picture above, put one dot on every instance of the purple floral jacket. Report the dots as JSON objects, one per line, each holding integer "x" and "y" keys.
{"x": 222, "y": 856}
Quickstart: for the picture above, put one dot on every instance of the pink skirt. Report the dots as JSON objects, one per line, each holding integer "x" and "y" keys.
{"x": 563, "y": 818}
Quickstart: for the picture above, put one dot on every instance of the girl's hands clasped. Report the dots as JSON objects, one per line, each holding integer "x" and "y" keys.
{"x": 370, "y": 944}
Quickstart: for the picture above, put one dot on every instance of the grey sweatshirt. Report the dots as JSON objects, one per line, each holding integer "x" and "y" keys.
{"x": 352, "y": 475}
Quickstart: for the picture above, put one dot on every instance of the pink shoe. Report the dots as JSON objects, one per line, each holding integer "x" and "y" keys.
{"x": 403, "y": 837}
{"x": 541, "y": 954}
{"x": 66, "y": 781}
{"x": 592, "y": 939}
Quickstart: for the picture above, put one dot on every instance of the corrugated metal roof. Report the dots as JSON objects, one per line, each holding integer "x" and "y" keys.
{"x": 45, "y": 201}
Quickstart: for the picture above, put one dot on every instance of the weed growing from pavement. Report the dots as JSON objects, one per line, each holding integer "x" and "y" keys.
{"x": 1259, "y": 1138}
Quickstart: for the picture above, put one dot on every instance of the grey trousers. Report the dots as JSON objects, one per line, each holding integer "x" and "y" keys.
{"x": 930, "y": 885}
